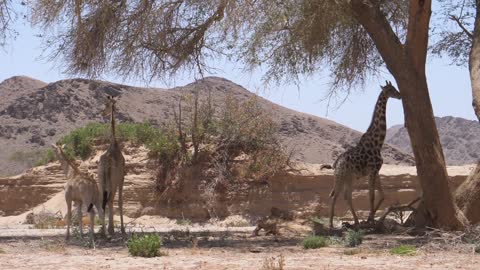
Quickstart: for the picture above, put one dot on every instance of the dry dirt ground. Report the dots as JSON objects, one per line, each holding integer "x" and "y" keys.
{"x": 220, "y": 247}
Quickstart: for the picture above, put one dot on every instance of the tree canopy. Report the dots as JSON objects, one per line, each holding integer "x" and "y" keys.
{"x": 454, "y": 40}
{"x": 159, "y": 38}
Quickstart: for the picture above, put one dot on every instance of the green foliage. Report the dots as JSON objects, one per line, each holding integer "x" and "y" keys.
{"x": 48, "y": 156}
{"x": 144, "y": 246}
{"x": 313, "y": 242}
{"x": 404, "y": 250}
{"x": 79, "y": 143}
{"x": 353, "y": 238}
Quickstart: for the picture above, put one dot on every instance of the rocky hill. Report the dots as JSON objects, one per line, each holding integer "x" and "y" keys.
{"x": 34, "y": 114}
{"x": 460, "y": 139}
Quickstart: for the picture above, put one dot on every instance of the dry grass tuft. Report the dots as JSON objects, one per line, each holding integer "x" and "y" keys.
{"x": 272, "y": 263}
{"x": 46, "y": 220}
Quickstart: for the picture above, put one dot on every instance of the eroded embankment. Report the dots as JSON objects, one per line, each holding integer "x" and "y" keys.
{"x": 304, "y": 191}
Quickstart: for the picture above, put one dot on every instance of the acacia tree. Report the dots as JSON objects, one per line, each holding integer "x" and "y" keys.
{"x": 462, "y": 44}
{"x": 353, "y": 38}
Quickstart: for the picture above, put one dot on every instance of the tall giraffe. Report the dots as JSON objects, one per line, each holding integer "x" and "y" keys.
{"x": 365, "y": 159}
{"x": 111, "y": 170}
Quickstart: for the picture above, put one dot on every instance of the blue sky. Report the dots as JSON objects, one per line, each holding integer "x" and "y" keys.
{"x": 449, "y": 85}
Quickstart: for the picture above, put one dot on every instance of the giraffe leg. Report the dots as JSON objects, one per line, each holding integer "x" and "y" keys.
{"x": 92, "y": 221}
{"x": 80, "y": 221}
{"x": 348, "y": 197}
{"x": 69, "y": 218}
{"x": 332, "y": 207}
{"x": 120, "y": 207}
{"x": 381, "y": 195}
{"x": 101, "y": 215}
{"x": 371, "y": 193}
{"x": 110, "y": 216}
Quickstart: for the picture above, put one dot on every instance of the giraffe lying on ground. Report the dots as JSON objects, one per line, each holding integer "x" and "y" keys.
{"x": 364, "y": 160}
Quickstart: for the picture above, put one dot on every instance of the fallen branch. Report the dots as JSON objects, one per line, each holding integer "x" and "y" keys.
{"x": 408, "y": 207}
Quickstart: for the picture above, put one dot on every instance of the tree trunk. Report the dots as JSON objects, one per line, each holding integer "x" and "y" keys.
{"x": 467, "y": 196}
{"x": 439, "y": 209}
{"x": 474, "y": 64}
{"x": 407, "y": 64}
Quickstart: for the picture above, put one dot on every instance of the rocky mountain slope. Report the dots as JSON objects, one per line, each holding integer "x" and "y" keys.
{"x": 34, "y": 114}
{"x": 460, "y": 139}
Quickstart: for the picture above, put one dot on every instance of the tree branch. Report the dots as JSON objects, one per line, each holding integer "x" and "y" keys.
{"x": 460, "y": 24}
{"x": 417, "y": 33}
{"x": 376, "y": 24}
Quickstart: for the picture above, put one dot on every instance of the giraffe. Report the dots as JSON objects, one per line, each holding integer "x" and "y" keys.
{"x": 364, "y": 159}
{"x": 82, "y": 189}
{"x": 111, "y": 170}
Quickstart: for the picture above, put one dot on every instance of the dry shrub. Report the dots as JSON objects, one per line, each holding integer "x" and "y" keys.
{"x": 226, "y": 149}
{"x": 467, "y": 241}
{"x": 272, "y": 263}
{"x": 45, "y": 219}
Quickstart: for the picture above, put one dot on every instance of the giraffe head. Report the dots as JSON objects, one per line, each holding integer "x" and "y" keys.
{"x": 390, "y": 91}
{"x": 109, "y": 105}
{"x": 60, "y": 155}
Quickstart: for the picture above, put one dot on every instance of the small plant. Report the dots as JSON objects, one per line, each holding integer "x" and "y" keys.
{"x": 351, "y": 251}
{"x": 184, "y": 222}
{"x": 271, "y": 263}
{"x": 47, "y": 220}
{"x": 404, "y": 250}
{"x": 334, "y": 240}
{"x": 144, "y": 246}
{"x": 353, "y": 238}
{"x": 238, "y": 223}
{"x": 312, "y": 242}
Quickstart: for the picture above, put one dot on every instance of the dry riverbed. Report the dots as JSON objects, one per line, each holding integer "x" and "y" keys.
{"x": 223, "y": 247}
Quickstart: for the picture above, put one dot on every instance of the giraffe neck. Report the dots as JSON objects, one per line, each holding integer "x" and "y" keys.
{"x": 69, "y": 162}
{"x": 375, "y": 134}
{"x": 113, "y": 140}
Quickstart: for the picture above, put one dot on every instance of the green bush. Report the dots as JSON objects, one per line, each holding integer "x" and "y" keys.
{"x": 144, "y": 246}
{"x": 353, "y": 238}
{"x": 47, "y": 157}
{"x": 404, "y": 250}
{"x": 80, "y": 142}
{"x": 312, "y": 242}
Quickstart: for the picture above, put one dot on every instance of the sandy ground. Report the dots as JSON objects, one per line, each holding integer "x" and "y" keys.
{"x": 387, "y": 169}
{"x": 223, "y": 244}
{"x": 218, "y": 248}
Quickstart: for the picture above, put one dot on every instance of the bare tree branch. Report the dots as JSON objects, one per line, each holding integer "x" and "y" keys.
{"x": 465, "y": 30}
